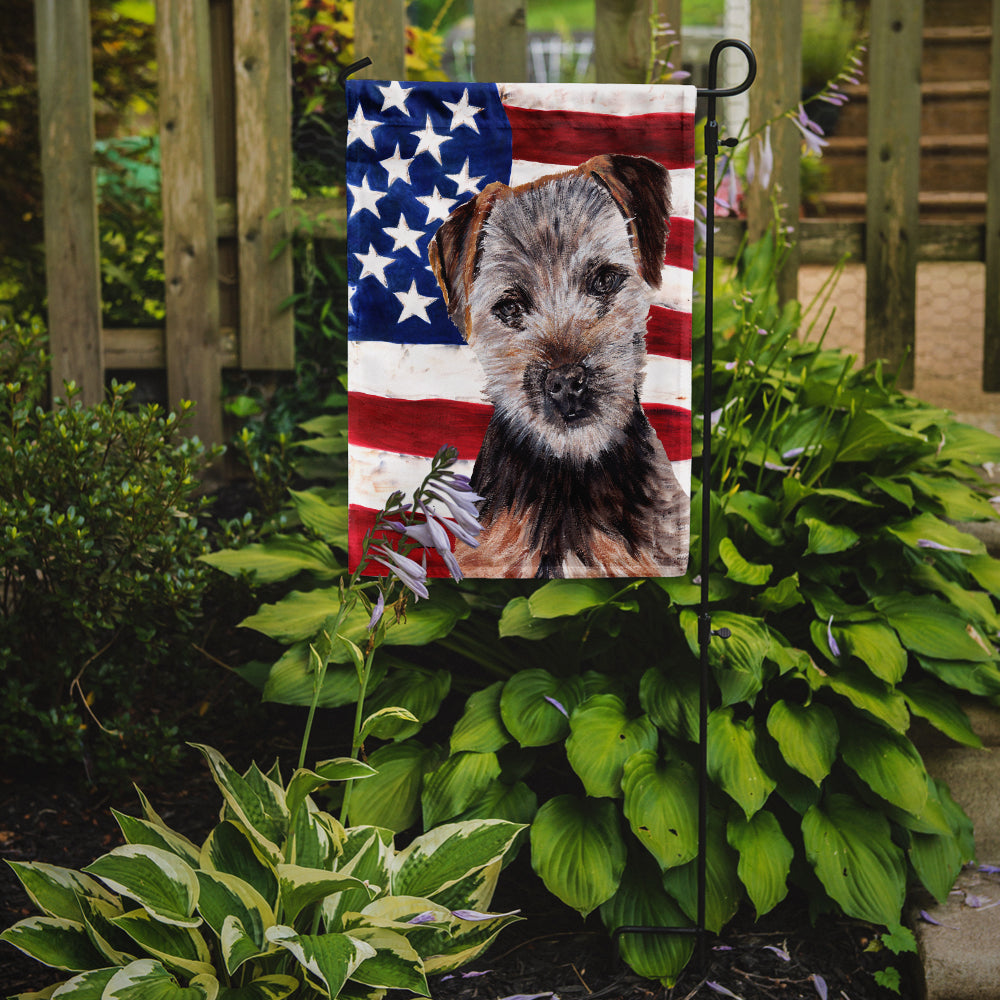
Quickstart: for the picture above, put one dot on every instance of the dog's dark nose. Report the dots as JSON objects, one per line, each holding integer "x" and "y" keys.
{"x": 566, "y": 387}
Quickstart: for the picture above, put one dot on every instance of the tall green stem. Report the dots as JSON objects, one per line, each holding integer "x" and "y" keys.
{"x": 357, "y": 738}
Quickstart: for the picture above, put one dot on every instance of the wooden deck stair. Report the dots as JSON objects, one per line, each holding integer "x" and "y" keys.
{"x": 955, "y": 91}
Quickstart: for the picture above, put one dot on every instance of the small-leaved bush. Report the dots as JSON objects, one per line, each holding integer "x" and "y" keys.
{"x": 100, "y": 583}
{"x": 279, "y": 900}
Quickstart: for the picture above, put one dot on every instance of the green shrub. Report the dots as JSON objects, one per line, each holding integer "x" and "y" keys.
{"x": 99, "y": 542}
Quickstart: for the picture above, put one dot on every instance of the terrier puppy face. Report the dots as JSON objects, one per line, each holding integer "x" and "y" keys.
{"x": 551, "y": 283}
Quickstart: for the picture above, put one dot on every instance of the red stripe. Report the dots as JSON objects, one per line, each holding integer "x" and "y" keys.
{"x": 673, "y": 427}
{"x": 361, "y": 520}
{"x": 680, "y": 243}
{"x": 668, "y": 333}
{"x": 570, "y": 137}
{"x": 404, "y": 425}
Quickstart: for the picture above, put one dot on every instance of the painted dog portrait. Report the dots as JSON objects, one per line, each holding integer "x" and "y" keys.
{"x": 550, "y": 284}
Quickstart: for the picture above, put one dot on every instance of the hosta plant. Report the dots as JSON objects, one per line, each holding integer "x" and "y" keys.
{"x": 279, "y": 900}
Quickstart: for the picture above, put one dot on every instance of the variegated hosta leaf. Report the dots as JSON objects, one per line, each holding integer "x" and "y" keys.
{"x": 87, "y": 986}
{"x": 300, "y": 887}
{"x": 456, "y": 784}
{"x": 225, "y": 897}
{"x": 328, "y": 959}
{"x": 230, "y": 849}
{"x": 765, "y": 858}
{"x": 395, "y": 964}
{"x": 54, "y": 941}
{"x": 366, "y": 855}
{"x": 56, "y": 891}
{"x": 441, "y": 857}
{"x": 807, "y": 736}
{"x": 481, "y": 727}
{"x": 661, "y": 800}
{"x": 732, "y": 760}
{"x": 304, "y": 782}
{"x": 275, "y": 987}
{"x": 642, "y": 902}
{"x": 602, "y": 737}
{"x": 160, "y": 882}
{"x": 850, "y": 847}
{"x": 476, "y": 890}
{"x": 315, "y": 838}
{"x": 141, "y": 831}
{"x": 177, "y": 947}
{"x": 256, "y": 801}
{"x": 116, "y": 946}
{"x": 468, "y": 939}
{"x": 578, "y": 851}
{"x": 149, "y": 980}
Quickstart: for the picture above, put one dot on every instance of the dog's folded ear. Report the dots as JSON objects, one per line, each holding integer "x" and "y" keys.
{"x": 453, "y": 252}
{"x": 641, "y": 189}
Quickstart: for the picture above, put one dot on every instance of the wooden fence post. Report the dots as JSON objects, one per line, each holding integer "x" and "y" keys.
{"x": 623, "y": 40}
{"x": 991, "y": 332}
{"x": 892, "y": 215}
{"x": 262, "y": 60}
{"x": 776, "y": 35}
{"x": 72, "y": 255}
{"x": 501, "y": 41}
{"x": 190, "y": 251}
{"x": 380, "y": 34}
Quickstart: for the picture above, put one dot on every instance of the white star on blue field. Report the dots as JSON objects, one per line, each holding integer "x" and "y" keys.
{"x": 414, "y": 153}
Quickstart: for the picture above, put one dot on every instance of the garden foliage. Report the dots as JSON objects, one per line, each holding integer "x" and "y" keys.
{"x": 854, "y": 603}
{"x": 280, "y": 899}
{"x": 99, "y": 545}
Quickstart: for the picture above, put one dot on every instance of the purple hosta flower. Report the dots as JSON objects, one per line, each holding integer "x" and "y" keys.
{"x": 834, "y": 648}
{"x": 427, "y": 917}
{"x": 531, "y": 996}
{"x": 475, "y": 915}
{"x": 559, "y": 705}
{"x": 792, "y": 453}
{"x": 927, "y": 918}
{"x": 465, "y": 975}
{"x": 761, "y": 163}
{"x": 411, "y": 574}
{"x": 719, "y": 988}
{"x": 727, "y": 197}
{"x": 927, "y": 543}
{"x": 460, "y": 500}
{"x": 377, "y": 611}
{"x": 780, "y": 952}
{"x": 990, "y": 869}
{"x": 820, "y": 983}
{"x": 811, "y": 132}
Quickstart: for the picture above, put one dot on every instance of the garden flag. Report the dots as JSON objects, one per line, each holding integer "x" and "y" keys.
{"x": 519, "y": 287}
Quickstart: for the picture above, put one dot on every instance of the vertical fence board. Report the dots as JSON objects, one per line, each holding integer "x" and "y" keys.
{"x": 776, "y": 34}
{"x": 991, "y": 333}
{"x": 190, "y": 254}
{"x": 501, "y": 41}
{"x": 380, "y": 34}
{"x": 893, "y": 183}
{"x": 262, "y": 60}
{"x": 668, "y": 15}
{"x": 72, "y": 256}
{"x": 622, "y": 40}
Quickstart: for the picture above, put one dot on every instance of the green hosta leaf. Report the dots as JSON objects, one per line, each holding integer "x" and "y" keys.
{"x": 850, "y": 848}
{"x": 528, "y": 710}
{"x": 275, "y": 987}
{"x": 928, "y": 528}
{"x": 263, "y": 812}
{"x": 931, "y": 628}
{"x": 180, "y": 948}
{"x": 870, "y": 436}
{"x": 517, "y": 620}
{"x": 391, "y": 798}
{"x": 602, "y": 738}
{"x": 671, "y": 700}
{"x": 415, "y": 689}
{"x": 876, "y": 646}
{"x": 738, "y": 661}
{"x": 387, "y": 723}
{"x": 738, "y": 569}
{"x": 291, "y": 680}
{"x": 827, "y": 539}
{"x": 937, "y": 859}
{"x": 516, "y": 803}
{"x": 159, "y": 881}
{"x": 864, "y": 692}
{"x": 441, "y": 857}
{"x": 758, "y": 511}
{"x": 732, "y": 760}
{"x": 230, "y": 849}
{"x": 559, "y": 598}
{"x": 965, "y": 443}
{"x": 888, "y": 763}
{"x": 986, "y": 571}
{"x": 641, "y": 901}
{"x": 723, "y": 889}
{"x": 807, "y": 736}
{"x": 54, "y": 941}
{"x": 481, "y": 728}
{"x": 395, "y": 964}
{"x": 141, "y": 831}
{"x": 456, "y": 784}
{"x": 325, "y": 519}
{"x": 578, "y": 851}
{"x": 976, "y": 678}
{"x": 661, "y": 798}
{"x": 147, "y": 979}
{"x": 279, "y": 558}
{"x": 941, "y": 709}
{"x": 893, "y": 488}
{"x": 976, "y": 605}
{"x": 56, "y": 891}
{"x": 225, "y": 897}
{"x": 765, "y": 858}
{"x": 957, "y": 501}
{"x": 301, "y": 887}
{"x": 783, "y": 595}
{"x": 330, "y": 959}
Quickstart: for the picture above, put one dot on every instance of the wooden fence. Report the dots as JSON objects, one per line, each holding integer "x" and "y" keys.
{"x": 226, "y": 160}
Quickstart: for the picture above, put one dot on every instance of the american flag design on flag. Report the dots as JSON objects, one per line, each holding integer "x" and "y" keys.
{"x": 416, "y": 152}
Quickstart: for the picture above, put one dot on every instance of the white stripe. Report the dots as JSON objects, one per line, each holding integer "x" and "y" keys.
{"x": 373, "y": 475}
{"x": 448, "y": 371}
{"x": 675, "y": 291}
{"x": 603, "y": 99}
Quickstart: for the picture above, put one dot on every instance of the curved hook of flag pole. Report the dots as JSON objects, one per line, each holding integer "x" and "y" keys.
{"x": 352, "y": 68}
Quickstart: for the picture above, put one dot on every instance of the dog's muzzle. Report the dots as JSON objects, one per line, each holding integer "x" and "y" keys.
{"x": 566, "y": 390}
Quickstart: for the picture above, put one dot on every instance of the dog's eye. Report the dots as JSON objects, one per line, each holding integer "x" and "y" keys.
{"x": 509, "y": 310}
{"x": 603, "y": 281}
